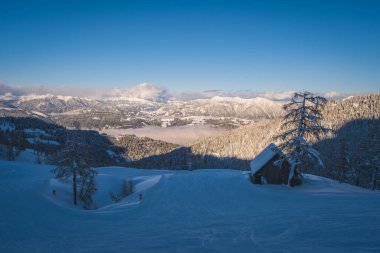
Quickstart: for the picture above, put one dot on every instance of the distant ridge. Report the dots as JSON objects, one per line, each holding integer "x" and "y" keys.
{"x": 127, "y": 112}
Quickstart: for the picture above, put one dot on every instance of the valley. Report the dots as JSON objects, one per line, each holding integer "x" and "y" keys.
{"x": 181, "y": 135}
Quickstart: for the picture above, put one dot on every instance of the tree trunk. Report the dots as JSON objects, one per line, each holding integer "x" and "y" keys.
{"x": 341, "y": 175}
{"x": 302, "y": 117}
{"x": 75, "y": 187}
{"x": 357, "y": 179}
{"x": 374, "y": 181}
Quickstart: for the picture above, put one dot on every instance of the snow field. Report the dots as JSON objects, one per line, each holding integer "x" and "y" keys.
{"x": 185, "y": 211}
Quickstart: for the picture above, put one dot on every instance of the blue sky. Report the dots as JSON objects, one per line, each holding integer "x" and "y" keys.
{"x": 192, "y": 45}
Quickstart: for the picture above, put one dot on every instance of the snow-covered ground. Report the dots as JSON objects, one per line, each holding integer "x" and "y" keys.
{"x": 185, "y": 211}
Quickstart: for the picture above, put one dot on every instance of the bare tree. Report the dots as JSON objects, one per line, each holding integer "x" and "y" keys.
{"x": 74, "y": 167}
{"x": 126, "y": 189}
{"x": 301, "y": 122}
{"x": 87, "y": 187}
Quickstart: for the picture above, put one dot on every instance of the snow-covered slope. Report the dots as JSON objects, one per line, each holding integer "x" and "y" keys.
{"x": 185, "y": 211}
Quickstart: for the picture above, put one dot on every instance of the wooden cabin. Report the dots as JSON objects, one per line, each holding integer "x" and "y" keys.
{"x": 264, "y": 168}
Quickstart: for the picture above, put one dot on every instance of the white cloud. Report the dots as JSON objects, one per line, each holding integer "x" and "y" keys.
{"x": 333, "y": 95}
{"x": 144, "y": 90}
{"x": 284, "y": 95}
{"x": 150, "y": 92}
{"x": 22, "y": 90}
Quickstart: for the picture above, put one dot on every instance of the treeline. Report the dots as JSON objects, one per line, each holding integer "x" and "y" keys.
{"x": 20, "y": 133}
{"x": 48, "y": 139}
{"x": 183, "y": 158}
{"x": 136, "y": 148}
{"x": 337, "y": 113}
{"x": 351, "y": 150}
{"x": 243, "y": 143}
{"x": 101, "y": 120}
{"x": 353, "y": 153}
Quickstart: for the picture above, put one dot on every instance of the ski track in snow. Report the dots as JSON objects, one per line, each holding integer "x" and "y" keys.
{"x": 185, "y": 211}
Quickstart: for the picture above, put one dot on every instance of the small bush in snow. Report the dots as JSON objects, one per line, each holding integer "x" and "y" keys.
{"x": 126, "y": 189}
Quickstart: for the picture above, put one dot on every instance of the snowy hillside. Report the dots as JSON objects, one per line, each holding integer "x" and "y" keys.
{"x": 185, "y": 211}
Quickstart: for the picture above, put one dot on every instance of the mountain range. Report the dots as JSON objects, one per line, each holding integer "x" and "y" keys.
{"x": 128, "y": 112}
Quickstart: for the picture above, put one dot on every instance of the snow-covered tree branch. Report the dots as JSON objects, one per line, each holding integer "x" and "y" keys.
{"x": 302, "y": 121}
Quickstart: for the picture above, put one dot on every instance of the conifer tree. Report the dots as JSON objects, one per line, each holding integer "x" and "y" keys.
{"x": 301, "y": 122}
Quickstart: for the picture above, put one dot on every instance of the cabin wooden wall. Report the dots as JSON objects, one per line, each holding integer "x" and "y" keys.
{"x": 273, "y": 174}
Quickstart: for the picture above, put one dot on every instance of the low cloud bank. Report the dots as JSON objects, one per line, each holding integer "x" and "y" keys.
{"x": 181, "y": 135}
{"x": 148, "y": 91}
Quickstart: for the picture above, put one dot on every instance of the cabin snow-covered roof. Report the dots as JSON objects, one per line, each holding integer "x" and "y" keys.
{"x": 264, "y": 157}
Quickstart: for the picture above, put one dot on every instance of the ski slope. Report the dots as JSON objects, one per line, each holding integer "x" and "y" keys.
{"x": 184, "y": 211}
